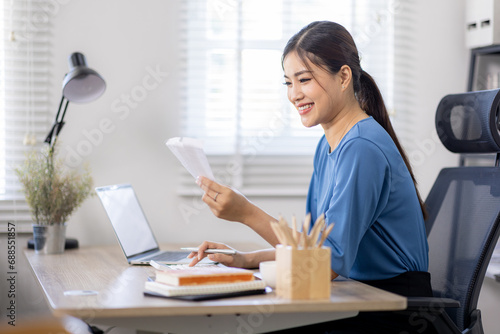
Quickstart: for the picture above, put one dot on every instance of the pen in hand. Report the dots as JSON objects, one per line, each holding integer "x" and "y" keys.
{"x": 211, "y": 250}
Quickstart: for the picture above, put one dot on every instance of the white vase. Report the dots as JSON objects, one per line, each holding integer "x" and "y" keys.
{"x": 49, "y": 239}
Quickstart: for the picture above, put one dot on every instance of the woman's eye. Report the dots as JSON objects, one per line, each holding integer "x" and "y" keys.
{"x": 304, "y": 80}
{"x": 286, "y": 83}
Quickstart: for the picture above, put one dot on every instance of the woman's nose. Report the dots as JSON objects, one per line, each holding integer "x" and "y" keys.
{"x": 295, "y": 93}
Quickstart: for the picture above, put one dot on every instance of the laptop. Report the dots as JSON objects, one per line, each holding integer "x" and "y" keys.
{"x": 132, "y": 228}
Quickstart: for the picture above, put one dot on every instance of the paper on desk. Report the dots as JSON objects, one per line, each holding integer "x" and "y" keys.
{"x": 190, "y": 153}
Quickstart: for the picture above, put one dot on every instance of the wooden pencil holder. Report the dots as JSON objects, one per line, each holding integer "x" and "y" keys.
{"x": 303, "y": 273}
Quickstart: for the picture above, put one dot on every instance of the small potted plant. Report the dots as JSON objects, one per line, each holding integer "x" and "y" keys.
{"x": 53, "y": 193}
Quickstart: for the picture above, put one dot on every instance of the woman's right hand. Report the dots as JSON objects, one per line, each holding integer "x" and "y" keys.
{"x": 236, "y": 260}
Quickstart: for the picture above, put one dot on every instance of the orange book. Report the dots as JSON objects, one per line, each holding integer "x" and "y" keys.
{"x": 203, "y": 275}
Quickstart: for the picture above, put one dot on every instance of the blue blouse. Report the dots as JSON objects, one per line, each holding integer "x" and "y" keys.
{"x": 365, "y": 188}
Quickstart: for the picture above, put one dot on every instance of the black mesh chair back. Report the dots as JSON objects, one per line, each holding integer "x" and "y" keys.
{"x": 464, "y": 203}
{"x": 464, "y": 208}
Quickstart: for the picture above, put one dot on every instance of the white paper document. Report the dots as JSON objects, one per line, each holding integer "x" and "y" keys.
{"x": 190, "y": 153}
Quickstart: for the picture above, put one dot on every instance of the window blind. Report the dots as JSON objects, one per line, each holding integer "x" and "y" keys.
{"x": 24, "y": 87}
{"x": 232, "y": 90}
{"x": 404, "y": 74}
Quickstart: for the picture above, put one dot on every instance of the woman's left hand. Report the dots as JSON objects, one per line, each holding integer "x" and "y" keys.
{"x": 224, "y": 202}
{"x": 229, "y": 204}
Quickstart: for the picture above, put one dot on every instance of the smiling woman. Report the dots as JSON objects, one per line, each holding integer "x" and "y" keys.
{"x": 326, "y": 68}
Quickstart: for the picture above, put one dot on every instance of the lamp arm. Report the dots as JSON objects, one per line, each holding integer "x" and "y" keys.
{"x": 64, "y": 112}
{"x": 60, "y": 106}
{"x": 58, "y": 124}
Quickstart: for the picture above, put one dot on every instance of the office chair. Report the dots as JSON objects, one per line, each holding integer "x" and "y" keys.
{"x": 464, "y": 214}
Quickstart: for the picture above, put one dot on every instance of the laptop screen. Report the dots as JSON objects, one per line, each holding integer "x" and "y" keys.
{"x": 129, "y": 222}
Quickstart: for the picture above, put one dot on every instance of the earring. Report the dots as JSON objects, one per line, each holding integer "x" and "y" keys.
{"x": 343, "y": 86}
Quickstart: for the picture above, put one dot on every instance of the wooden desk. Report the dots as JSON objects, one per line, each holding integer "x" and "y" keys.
{"x": 120, "y": 301}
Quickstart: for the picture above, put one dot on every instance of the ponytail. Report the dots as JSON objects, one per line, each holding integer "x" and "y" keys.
{"x": 371, "y": 101}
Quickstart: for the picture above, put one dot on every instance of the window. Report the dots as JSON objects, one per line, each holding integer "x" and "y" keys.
{"x": 24, "y": 77}
{"x": 233, "y": 92}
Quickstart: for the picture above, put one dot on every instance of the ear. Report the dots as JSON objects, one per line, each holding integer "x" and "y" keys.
{"x": 345, "y": 75}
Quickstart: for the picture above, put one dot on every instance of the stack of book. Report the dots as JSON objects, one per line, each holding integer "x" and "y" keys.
{"x": 203, "y": 282}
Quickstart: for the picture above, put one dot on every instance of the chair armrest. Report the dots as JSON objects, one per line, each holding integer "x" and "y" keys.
{"x": 415, "y": 302}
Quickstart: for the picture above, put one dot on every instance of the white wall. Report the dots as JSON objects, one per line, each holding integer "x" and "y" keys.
{"x": 124, "y": 40}
{"x": 443, "y": 65}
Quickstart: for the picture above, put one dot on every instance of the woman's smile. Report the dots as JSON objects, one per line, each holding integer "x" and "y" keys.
{"x": 304, "y": 108}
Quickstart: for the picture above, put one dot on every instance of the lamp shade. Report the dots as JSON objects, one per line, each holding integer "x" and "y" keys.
{"x": 82, "y": 84}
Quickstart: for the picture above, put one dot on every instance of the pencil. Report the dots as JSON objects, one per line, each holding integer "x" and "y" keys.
{"x": 286, "y": 232}
{"x": 277, "y": 232}
{"x": 325, "y": 234}
{"x": 305, "y": 230}
{"x": 318, "y": 226}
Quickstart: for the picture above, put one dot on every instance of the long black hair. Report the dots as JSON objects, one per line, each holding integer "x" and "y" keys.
{"x": 330, "y": 46}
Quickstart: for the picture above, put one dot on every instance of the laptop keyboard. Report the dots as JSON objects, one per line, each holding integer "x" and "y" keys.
{"x": 170, "y": 256}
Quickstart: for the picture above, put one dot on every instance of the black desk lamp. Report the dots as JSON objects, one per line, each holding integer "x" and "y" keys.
{"x": 80, "y": 85}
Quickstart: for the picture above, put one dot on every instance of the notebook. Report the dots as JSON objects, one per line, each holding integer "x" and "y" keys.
{"x": 205, "y": 292}
{"x": 132, "y": 228}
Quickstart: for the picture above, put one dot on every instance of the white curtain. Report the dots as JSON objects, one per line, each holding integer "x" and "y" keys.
{"x": 24, "y": 110}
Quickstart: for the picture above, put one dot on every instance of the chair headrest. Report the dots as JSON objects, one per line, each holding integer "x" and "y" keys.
{"x": 469, "y": 122}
